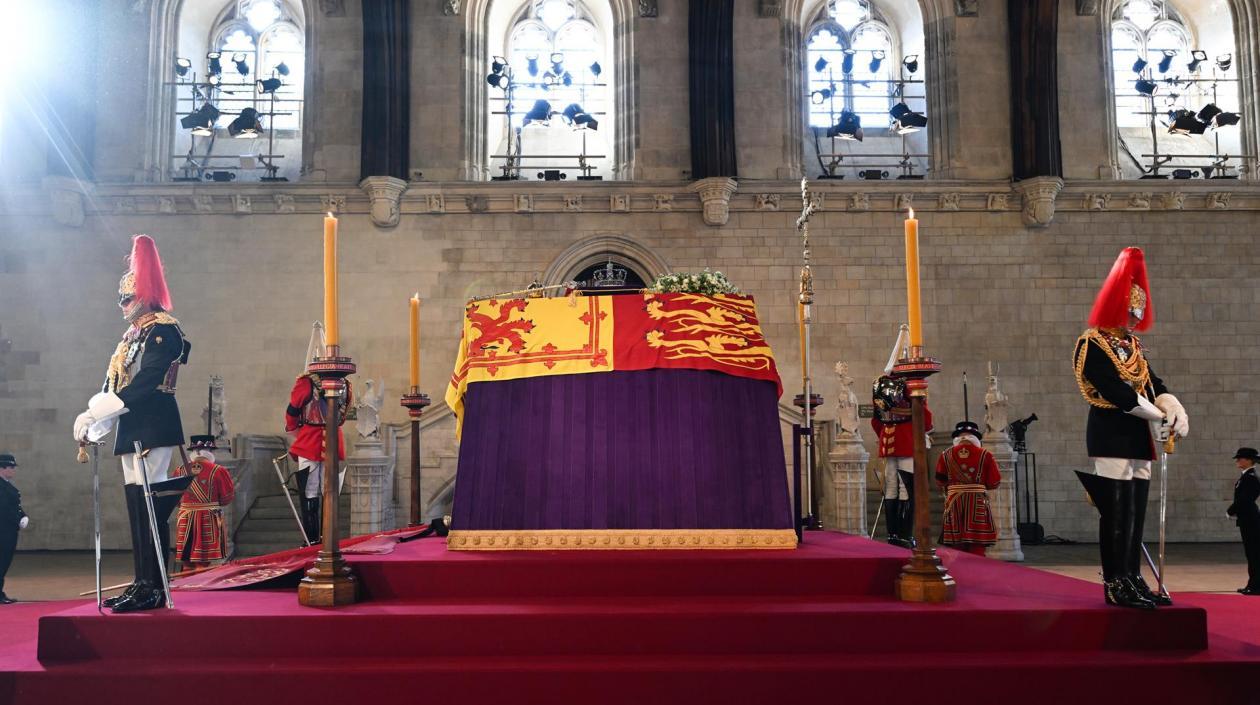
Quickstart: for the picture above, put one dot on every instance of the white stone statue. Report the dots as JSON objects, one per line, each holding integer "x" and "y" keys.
{"x": 996, "y": 416}
{"x": 846, "y": 405}
{"x": 216, "y": 411}
{"x": 368, "y": 407}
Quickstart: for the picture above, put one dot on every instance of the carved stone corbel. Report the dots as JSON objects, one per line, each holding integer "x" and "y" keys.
{"x": 770, "y": 8}
{"x": 384, "y": 192}
{"x": 967, "y": 8}
{"x": 242, "y": 204}
{"x": 450, "y": 7}
{"x": 66, "y": 197}
{"x": 1088, "y": 8}
{"x": 648, "y": 8}
{"x": 1039, "y": 194}
{"x": 332, "y": 203}
{"x": 715, "y": 196}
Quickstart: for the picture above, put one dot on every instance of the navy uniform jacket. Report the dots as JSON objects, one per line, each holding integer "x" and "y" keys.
{"x": 10, "y": 507}
{"x": 152, "y": 415}
{"x": 1246, "y": 491}
{"x": 1112, "y": 433}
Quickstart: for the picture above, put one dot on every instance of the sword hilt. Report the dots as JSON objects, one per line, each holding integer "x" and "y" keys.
{"x": 82, "y": 457}
{"x": 1170, "y": 445}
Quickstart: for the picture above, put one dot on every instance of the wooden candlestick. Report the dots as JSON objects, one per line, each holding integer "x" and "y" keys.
{"x": 415, "y": 402}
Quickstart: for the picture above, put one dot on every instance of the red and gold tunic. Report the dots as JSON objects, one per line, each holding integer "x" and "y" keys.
{"x": 199, "y": 535}
{"x": 967, "y": 472}
{"x": 896, "y": 440}
{"x": 305, "y": 416}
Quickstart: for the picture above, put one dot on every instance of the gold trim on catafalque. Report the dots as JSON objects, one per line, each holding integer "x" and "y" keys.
{"x": 619, "y": 539}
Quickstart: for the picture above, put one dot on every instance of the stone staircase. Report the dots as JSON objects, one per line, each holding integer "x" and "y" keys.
{"x": 269, "y": 526}
{"x": 875, "y": 496}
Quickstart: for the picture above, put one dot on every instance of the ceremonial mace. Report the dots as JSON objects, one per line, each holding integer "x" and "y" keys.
{"x": 806, "y": 401}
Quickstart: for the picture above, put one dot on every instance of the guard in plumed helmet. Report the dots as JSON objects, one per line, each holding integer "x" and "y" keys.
{"x": 304, "y": 421}
{"x": 139, "y": 397}
{"x": 895, "y": 434}
{"x": 1125, "y": 398}
{"x": 965, "y": 473}
{"x": 199, "y": 536}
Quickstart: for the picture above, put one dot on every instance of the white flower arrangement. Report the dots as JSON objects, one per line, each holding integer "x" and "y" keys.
{"x": 708, "y": 283}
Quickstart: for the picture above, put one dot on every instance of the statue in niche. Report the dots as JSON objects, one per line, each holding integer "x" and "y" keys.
{"x": 847, "y": 405}
{"x": 996, "y": 416}
{"x": 368, "y": 409}
{"x": 214, "y": 415}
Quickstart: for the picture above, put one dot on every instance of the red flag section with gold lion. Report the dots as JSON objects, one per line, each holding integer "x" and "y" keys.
{"x": 516, "y": 338}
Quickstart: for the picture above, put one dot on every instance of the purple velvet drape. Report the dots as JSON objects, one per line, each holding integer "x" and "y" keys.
{"x": 650, "y": 449}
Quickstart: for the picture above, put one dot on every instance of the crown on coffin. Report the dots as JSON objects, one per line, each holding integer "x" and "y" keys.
{"x": 610, "y": 276}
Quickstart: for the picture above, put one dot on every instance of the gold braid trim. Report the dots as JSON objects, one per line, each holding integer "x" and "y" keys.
{"x": 1135, "y": 371}
{"x": 618, "y": 539}
{"x": 118, "y": 375}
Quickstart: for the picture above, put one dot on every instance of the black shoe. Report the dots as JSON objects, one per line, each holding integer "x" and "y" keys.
{"x": 111, "y": 601}
{"x": 1122, "y": 594}
{"x": 1249, "y": 591}
{"x": 1146, "y": 592}
{"x": 146, "y": 597}
{"x": 6, "y": 600}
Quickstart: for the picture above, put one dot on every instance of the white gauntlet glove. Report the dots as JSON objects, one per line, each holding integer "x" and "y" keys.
{"x": 1175, "y": 414}
{"x": 1146, "y": 410}
{"x": 96, "y": 423}
{"x": 24, "y": 522}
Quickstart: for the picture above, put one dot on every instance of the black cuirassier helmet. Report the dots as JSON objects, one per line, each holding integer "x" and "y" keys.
{"x": 891, "y": 403}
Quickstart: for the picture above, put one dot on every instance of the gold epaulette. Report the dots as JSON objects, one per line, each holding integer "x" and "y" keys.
{"x": 1134, "y": 370}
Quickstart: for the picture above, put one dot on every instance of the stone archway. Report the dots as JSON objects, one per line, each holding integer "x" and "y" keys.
{"x": 596, "y": 250}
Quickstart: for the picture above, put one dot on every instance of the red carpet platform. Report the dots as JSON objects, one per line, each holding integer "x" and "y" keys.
{"x": 643, "y": 628}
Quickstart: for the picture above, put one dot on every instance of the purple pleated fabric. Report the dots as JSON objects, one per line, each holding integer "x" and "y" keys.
{"x": 650, "y": 449}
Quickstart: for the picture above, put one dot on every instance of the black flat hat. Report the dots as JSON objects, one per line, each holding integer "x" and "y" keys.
{"x": 967, "y": 427}
{"x": 1248, "y": 453}
{"x": 202, "y": 443}
{"x": 7, "y": 460}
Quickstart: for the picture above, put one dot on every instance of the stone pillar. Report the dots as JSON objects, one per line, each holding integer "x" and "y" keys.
{"x": 370, "y": 488}
{"x": 1002, "y": 500}
{"x": 848, "y": 483}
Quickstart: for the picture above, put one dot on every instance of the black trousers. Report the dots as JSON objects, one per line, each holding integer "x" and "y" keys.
{"x": 8, "y": 545}
{"x": 1251, "y": 546}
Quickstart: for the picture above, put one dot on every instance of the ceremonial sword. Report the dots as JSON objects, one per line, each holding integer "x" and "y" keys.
{"x": 284, "y": 484}
{"x": 153, "y": 526}
{"x": 1167, "y": 449}
{"x": 96, "y": 508}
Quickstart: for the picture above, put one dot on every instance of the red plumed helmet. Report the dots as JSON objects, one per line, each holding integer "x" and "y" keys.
{"x": 147, "y": 283}
{"x": 1125, "y": 292}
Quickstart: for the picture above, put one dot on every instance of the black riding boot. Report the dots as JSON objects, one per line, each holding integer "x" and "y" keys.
{"x": 135, "y": 497}
{"x": 312, "y": 518}
{"x": 1114, "y": 500}
{"x": 150, "y": 592}
{"x": 907, "y": 509}
{"x": 1141, "y": 490}
{"x": 892, "y": 519}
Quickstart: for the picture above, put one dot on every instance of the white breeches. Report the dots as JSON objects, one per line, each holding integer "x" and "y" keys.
{"x": 315, "y": 478}
{"x": 1122, "y": 468}
{"x": 157, "y": 462}
{"x": 894, "y": 486}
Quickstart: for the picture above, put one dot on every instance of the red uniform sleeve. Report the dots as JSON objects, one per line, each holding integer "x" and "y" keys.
{"x": 990, "y": 475}
{"x": 297, "y": 399}
{"x": 224, "y": 489}
{"x": 877, "y": 426}
{"x": 942, "y": 473}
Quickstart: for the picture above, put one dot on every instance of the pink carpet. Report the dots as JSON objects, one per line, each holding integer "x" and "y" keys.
{"x": 645, "y": 628}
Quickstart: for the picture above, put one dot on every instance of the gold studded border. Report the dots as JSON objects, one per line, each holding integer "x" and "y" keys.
{"x": 619, "y": 539}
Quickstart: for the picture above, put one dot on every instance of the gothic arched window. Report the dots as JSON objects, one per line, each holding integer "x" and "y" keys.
{"x": 1176, "y": 96}
{"x": 859, "y": 87}
{"x": 550, "y": 94}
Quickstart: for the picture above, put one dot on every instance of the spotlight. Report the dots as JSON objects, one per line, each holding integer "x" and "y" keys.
{"x": 268, "y": 85}
{"x": 906, "y": 120}
{"x": 201, "y": 120}
{"x": 596, "y": 69}
{"x": 1196, "y": 57}
{"x": 1225, "y": 120}
{"x": 1224, "y": 61}
{"x": 848, "y": 127}
{"x": 242, "y": 64}
{"x": 214, "y": 68}
{"x": 1208, "y": 112}
{"x": 552, "y": 175}
{"x": 820, "y": 65}
{"x": 182, "y": 66}
{"x": 579, "y": 118}
{"x": 877, "y": 58}
{"x": 819, "y": 97}
{"x": 1166, "y": 62}
{"x": 911, "y": 63}
{"x": 1185, "y": 123}
{"x": 1184, "y": 173}
{"x": 531, "y": 64}
{"x": 1140, "y": 65}
{"x": 282, "y": 69}
{"x": 567, "y": 79}
{"x": 220, "y": 176}
{"x": 1145, "y": 87}
{"x": 846, "y": 65}
{"x": 557, "y": 58}
{"x": 872, "y": 174}
{"x": 214, "y": 79}
{"x": 540, "y": 113}
{"x": 497, "y": 64}
{"x": 497, "y": 80}
{"x": 246, "y": 125}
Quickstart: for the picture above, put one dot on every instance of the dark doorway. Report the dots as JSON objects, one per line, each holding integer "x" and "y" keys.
{"x": 609, "y": 277}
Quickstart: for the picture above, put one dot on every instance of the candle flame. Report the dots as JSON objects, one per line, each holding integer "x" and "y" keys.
{"x": 912, "y": 212}
{"x": 416, "y": 296}
{"x": 329, "y": 214}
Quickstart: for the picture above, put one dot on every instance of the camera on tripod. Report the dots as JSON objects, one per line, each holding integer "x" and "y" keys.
{"x": 1027, "y": 522}
{"x": 1019, "y": 432}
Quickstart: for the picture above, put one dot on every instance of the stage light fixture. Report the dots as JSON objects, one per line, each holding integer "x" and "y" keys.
{"x": 497, "y": 80}
{"x": 877, "y": 59}
{"x": 1224, "y": 61}
{"x": 557, "y": 58}
{"x": 820, "y": 96}
{"x": 1166, "y": 62}
{"x": 906, "y": 120}
{"x": 214, "y": 79}
{"x": 282, "y": 69}
{"x": 846, "y": 64}
{"x": 1225, "y": 120}
{"x": 872, "y": 174}
{"x": 213, "y": 66}
{"x": 1140, "y": 65}
{"x": 220, "y": 176}
{"x": 911, "y": 63}
{"x": 497, "y": 64}
{"x": 1183, "y": 173}
{"x": 540, "y": 113}
{"x": 579, "y": 118}
{"x": 531, "y": 64}
{"x": 1145, "y": 87}
{"x": 1197, "y": 57}
{"x": 848, "y": 127}
{"x": 201, "y": 121}
{"x": 242, "y": 63}
{"x": 246, "y": 125}
{"x": 596, "y": 69}
{"x": 1185, "y": 123}
{"x": 267, "y": 86}
{"x": 820, "y": 65}
{"x": 566, "y": 79}
{"x": 182, "y": 67}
